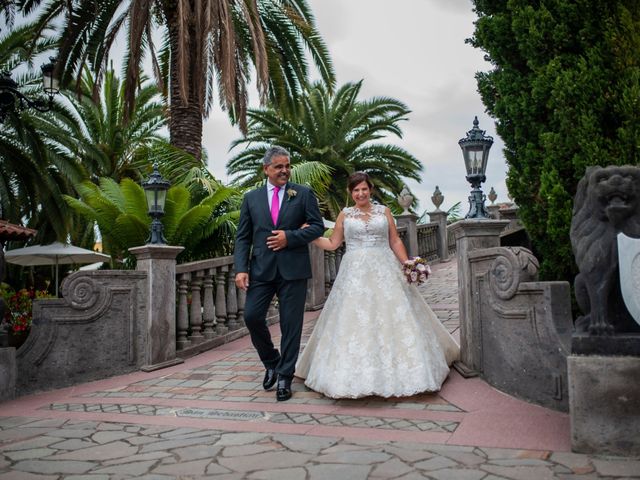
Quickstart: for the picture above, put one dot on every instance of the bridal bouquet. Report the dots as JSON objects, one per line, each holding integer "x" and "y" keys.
{"x": 416, "y": 270}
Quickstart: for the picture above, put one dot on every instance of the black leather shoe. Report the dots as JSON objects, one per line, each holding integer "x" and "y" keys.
{"x": 270, "y": 378}
{"x": 283, "y": 390}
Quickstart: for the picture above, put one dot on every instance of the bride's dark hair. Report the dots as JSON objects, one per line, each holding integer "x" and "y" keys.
{"x": 357, "y": 178}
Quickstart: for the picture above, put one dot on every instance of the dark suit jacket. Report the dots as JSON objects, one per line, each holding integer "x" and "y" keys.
{"x": 251, "y": 253}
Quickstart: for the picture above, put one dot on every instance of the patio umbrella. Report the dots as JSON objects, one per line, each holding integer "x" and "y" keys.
{"x": 55, "y": 254}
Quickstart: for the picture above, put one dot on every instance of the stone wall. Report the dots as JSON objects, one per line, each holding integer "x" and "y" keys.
{"x": 95, "y": 331}
{"x": 522, "y": 327}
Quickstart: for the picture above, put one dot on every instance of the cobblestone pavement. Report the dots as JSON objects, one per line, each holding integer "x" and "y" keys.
{"x": 210, "y": 418}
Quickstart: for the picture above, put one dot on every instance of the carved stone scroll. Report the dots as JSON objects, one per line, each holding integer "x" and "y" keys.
{"x": 95, "y": 331}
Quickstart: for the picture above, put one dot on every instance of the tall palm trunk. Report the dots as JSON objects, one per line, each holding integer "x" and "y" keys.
{"x": 185, "y": 118}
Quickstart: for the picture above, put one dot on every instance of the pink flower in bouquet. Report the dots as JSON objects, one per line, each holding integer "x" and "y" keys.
{"x": 416, "y": 270}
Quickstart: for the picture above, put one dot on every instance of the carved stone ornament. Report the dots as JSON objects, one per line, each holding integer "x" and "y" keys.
{"x": 437, "y": 198}
{"x": 607, "y": 203}
{"x": 508, "y": 270}
{"x": 405, "y": 199}
{"x": 492, "y": 195}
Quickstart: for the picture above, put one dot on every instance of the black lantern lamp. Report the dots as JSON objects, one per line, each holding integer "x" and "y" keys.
{"x": 475, "y": 150}
{"x": 50, "y": 85}
{"x": 13, "y": 100}
{"x": 155, "y": 189}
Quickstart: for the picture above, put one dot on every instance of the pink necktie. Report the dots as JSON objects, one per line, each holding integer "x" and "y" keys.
{"x": 275, "y": 205}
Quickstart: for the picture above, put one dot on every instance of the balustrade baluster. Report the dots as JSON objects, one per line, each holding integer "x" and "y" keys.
{"x": 327, "y": 274}
{"x": 272, "y": 311}
{"x": 332, "y": 267}
{"x": 182, "y": 324}
{"x": 195, "y": 313}
{"x": 232, "y": 302}
{"x": 242, "y": 296}
{"x": 208, "y": 309}
{"x": 221, "y": 303}
{"x": 339, "y": 253}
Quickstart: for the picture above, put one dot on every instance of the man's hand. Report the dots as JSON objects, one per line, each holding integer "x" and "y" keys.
{"x": 242, "y": 281}
{"x": 278, "y": 241}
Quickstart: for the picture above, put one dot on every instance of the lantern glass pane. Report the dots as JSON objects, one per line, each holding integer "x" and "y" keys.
{"x": 151, "y": 196}
{"x": 162, "y": 197}
{"x": 475, "y": 160}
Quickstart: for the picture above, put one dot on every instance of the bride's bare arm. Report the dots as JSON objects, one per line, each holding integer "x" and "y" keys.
{"x": 336, "y": 238}
{"x": 395, "y": 242}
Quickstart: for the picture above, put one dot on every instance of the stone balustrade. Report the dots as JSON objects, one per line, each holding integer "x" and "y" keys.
{"x": 428, "y": 241}
{"x": 210, "y": 309}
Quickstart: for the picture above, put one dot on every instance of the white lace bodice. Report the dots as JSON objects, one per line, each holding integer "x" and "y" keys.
{"x": 366, "y": 230}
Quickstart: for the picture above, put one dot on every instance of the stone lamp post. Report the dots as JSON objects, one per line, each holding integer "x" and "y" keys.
{"x": 158, "y": 260}
{"x": 475, "y": 150}
{"x": 13, "y": 100}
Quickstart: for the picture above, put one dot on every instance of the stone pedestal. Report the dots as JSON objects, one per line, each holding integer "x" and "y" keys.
{"x": 409, "y": 220}
{"x": 494, "y": 211}
{"x": 315, "y": 285}
{"x": 471, "y": 235}
{"x": 7, "y": 374}
{"x": 440, "y": 218}
{"x": 604, "y": 399}
{"x": 159, "y": 262}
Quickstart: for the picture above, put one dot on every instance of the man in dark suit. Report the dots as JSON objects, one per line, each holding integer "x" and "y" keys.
{"x": 272, "y": 250}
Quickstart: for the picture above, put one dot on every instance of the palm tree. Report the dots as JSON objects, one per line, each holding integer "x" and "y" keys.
{"x": 92, "y": 128}
{"x": 337, "y": 130}
{"x": 205, "y": 42}
{"x": 32, "y": 177}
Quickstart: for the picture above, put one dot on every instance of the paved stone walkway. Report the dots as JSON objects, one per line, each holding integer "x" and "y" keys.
{"x": 210, "y": 418}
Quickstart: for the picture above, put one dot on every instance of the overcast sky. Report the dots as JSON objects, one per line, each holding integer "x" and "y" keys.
{"x": 414, "y": 51}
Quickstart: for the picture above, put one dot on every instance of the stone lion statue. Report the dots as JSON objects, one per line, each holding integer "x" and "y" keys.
{"x": 607, "y": 202}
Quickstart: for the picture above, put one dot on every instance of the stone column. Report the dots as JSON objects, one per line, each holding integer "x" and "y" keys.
{"x": 8, "y": 372}
{"x": 494, "y": 211}
{"x": 315, "y": 285}
{"x": 440, "y": 218}
{"x": 159, "y": 263}
{"x": 471, "y": 235}
{"x": 409, "y": 220}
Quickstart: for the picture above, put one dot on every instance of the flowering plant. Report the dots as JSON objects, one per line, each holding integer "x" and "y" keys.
{"x": 416, "y": 270}
{"x": 291, "y": 193}
{"x": 18, "y": 307}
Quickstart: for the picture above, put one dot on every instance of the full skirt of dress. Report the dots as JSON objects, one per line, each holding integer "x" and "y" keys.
{"x": 376, "y": 335}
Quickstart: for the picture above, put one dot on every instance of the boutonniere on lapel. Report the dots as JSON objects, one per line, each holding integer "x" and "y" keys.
{"x": 291, "y": 193}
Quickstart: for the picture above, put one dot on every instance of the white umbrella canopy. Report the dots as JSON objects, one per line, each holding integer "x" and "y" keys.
{"x": 54, "y": 254}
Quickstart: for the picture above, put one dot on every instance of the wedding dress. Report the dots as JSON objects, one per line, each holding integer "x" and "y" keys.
{"x": 376, "y": 335}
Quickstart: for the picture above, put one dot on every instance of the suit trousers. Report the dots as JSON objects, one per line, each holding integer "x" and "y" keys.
{"x": 291, "y": 299}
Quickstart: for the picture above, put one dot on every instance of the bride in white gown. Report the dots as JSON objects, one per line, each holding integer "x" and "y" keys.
{"x": 376, "y": 335}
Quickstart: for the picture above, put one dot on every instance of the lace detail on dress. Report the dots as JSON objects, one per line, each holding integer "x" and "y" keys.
{"x": 376, "y": 335}
{"x": 366, "y": 229}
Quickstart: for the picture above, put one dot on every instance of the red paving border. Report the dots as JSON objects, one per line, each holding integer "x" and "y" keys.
{"x": 489, "y": 418}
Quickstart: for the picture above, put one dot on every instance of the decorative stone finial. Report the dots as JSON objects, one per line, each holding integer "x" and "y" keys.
{"x": 437, "y": 198}
{"x": 492, "y": 195}
{"x": 405, "y": 199}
